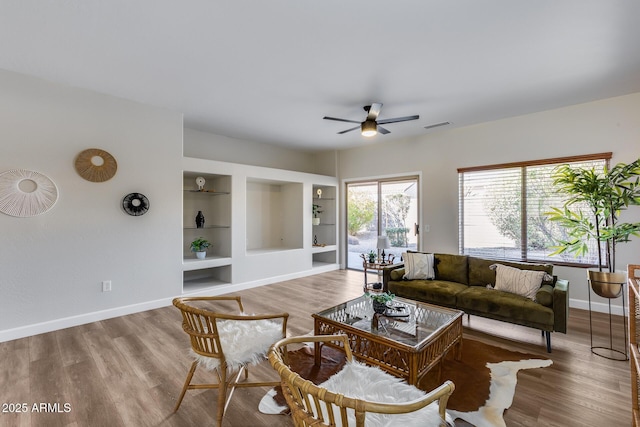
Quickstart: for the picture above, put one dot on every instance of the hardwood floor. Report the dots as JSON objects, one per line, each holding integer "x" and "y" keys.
{"x": 128, "y": 371}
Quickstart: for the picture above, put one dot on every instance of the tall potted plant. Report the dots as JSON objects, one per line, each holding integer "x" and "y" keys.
{"x": 603, "y": 196}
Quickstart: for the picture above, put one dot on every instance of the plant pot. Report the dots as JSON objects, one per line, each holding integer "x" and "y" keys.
{"x": 607, "y": 285}
{"x": 201, "y": 254}
{"x": 315, "y": 221}
{"x": 379, "y": 307}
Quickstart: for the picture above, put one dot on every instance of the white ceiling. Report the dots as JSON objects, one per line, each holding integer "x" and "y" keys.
{"x": 270, "y": 70}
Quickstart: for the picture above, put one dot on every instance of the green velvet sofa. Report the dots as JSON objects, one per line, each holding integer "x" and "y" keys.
{"x": 461, "y": 282}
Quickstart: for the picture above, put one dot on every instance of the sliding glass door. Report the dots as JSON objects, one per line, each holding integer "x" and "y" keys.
{"x": 375, "y": 208}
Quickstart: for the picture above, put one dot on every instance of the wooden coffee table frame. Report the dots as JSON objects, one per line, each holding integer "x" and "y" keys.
{"x": 399, "y": 359}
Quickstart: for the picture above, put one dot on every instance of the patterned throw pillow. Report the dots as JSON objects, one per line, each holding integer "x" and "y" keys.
{"x": 516, "y": 281}
{"x": 418, "y": 266}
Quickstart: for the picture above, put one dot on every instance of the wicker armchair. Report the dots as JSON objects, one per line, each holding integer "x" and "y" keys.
{"x": 227, "y": 344}
{"x": 313, "y": 405}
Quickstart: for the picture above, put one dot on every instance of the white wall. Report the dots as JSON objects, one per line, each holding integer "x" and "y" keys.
{"x": 52, "y": 265}
{"x": 606, "y": 125}
{"x": 204, "y": 145}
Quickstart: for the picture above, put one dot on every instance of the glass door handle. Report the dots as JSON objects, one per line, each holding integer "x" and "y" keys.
{"x": 416, "y": 229}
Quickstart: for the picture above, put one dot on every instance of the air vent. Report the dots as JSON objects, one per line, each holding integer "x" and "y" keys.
{"x": 437, "y": 125}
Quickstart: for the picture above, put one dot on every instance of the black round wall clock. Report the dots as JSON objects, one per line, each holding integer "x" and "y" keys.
{"x": 135, "y": 204}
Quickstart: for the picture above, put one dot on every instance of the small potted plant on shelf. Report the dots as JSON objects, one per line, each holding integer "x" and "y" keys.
{"x": 380, "y": 300}
{"x": 316, "y": 212}
{"x": 372, "y": 256}
{"x": 199, "y": 246}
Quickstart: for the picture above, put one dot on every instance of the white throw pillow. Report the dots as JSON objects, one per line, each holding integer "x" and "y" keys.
{"x": 418, "y": 266}
{"x": 516, "y": 281}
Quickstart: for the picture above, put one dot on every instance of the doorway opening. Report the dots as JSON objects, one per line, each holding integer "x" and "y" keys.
{"x": 384, "y": 207}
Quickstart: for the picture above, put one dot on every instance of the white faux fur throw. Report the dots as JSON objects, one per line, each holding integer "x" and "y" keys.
{"x": 371, "y": 383}
{"x": 244, "y": 342}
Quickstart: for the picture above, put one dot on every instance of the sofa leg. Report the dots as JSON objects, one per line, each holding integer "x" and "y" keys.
{"x": 548, "y": 336}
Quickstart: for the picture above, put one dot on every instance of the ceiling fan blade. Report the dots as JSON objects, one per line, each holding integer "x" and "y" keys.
{"x": 383, "y": 130}
{"x": 374, "y": 111}
{"x": 340, "y": 120}
{"x": 398, "y": 119}
{"x": 348, "y": 130}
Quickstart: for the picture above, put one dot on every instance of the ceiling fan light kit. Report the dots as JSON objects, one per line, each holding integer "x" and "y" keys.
{"x": 371, "y": 125}
{"x": 369, "y": 128}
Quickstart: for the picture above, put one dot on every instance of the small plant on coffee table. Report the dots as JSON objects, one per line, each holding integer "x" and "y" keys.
{"x": 380, "y": 300}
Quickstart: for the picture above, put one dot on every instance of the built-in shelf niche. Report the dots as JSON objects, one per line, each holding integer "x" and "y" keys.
{"x": 324, "y": 233}
{"x": 327, "y": 257}
{"x": 274, "y": 215}
{"x": 215, "y": 203}
{"x": 204, "y": 278}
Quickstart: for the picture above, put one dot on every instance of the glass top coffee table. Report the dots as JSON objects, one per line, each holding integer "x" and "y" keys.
{"x": 406, "y": 342}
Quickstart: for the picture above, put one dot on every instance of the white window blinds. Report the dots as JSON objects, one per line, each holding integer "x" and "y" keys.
{"x": 502, "y": 210}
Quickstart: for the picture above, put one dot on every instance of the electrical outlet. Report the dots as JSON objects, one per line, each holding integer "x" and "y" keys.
{"x": 106, "y": 286}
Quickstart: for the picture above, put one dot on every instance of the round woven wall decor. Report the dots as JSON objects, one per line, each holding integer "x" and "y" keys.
{"x": 135, "y": 204}
{"x": 25, "y": 193}
{"x": 96, "y": 165}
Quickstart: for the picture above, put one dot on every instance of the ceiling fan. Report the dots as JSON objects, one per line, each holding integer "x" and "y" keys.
{"x": 371, "y": 124}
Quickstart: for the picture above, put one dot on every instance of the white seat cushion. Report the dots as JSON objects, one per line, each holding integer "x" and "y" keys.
{"x": 371, "y": 383}
{"x": 244, "y": 342}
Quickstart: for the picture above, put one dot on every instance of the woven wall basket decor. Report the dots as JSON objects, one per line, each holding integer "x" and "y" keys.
{"x": 25, "y": 193}
{"x": 96, "y": 165}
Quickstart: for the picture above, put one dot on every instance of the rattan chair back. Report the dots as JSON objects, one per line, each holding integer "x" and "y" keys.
{"x": 311, "y": 405}
{"x": 202, "y": 327}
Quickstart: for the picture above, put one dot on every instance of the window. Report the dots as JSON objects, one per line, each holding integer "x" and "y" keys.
{"x": 502, "y": 210}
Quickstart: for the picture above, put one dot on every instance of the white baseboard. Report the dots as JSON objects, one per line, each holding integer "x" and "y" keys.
{"x": 81, "y": 319}
{"x": 596, "y": 306}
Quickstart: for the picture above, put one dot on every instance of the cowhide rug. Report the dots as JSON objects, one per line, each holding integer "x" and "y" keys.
{"x": 485, "y": 380}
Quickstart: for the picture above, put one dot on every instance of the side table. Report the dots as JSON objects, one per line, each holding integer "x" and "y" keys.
{"x": 374, "y": 266}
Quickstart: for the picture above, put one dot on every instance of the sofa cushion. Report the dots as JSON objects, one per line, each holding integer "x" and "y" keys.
{"x": 418, "y": 265}
{"x": 437, "y": 292}
{"x": 452, "y": 268}
{"x": 544, "y": 295}
{"x": 517, "y": 281}
{"x": 396, "y": 274}
{"x": 481, "y": 275}
{"x": 505, "y": 306}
